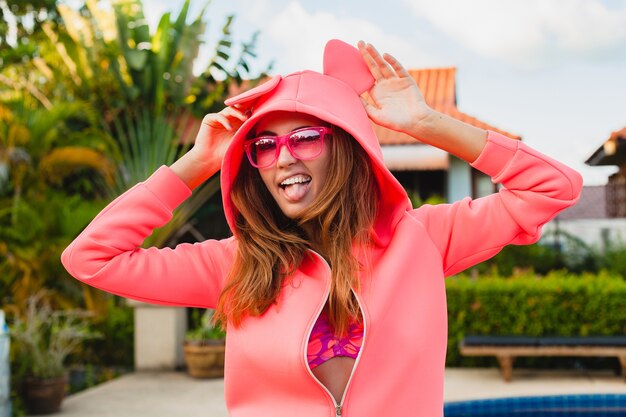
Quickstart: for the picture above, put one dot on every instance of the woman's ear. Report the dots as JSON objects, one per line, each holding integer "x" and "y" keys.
{"x": 343, "y": 61}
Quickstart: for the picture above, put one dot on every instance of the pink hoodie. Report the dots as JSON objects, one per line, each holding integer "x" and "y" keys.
{"x": 400, "y": 367}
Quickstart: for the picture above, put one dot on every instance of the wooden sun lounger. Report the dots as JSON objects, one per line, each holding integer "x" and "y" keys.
{"x": 507, "y": 348}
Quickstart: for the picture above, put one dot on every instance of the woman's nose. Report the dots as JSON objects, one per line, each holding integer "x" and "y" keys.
{"x": 285, "y": 158}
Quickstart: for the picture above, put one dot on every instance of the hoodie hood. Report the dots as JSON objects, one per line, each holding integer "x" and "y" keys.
{"x": 332, "y": 96}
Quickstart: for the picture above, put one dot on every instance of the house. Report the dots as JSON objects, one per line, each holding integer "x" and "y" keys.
{"x": 599, "y": 218}
{"x": 613, "y": 152}
{"x": 589, "y": 220}
{"x": 424, "y": 169}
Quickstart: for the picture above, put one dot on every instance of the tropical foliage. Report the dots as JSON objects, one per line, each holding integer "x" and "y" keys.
{"x": 43, "y": 153}
{"x": 95, "y": 104}
{"x": 92, "y": 101}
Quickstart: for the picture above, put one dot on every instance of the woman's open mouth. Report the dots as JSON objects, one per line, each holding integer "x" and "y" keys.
{"x": 296, "y": 187}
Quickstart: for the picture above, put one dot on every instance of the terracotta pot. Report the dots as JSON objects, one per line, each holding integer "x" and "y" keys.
{"x": 44, "y": 396}
{"x": 205, "y": 360}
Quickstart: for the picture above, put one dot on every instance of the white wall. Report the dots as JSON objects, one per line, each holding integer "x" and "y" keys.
{"x": 592, "y": 231}
{"x": 459, "y": 179}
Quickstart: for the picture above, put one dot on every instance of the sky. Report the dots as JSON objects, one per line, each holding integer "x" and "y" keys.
{"x": 551, "y": 71}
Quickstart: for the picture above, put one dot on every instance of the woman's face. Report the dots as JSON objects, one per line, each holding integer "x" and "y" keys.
{"x": 293, "y": 183}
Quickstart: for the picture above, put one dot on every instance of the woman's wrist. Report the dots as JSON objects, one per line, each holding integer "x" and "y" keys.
{"x": 423, "y": 129}
{"x": 450, "y": 134}
{"x": 192, "y": 170}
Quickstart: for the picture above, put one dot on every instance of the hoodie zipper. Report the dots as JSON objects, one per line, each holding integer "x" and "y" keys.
{"x": 338, "y": 407}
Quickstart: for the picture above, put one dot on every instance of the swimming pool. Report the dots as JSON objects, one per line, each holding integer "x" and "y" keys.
{"x": 587, "y": 405}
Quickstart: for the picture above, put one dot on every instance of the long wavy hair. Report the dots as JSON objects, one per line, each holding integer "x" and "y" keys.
{"x": 271, "y": 246}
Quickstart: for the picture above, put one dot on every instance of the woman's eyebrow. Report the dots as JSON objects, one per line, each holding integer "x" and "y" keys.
{"x": 270, "y": 133}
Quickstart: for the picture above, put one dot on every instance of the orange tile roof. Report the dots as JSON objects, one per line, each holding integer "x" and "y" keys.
{"x": 438, "y": 86}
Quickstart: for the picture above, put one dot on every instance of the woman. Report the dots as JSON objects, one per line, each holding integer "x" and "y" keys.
{"x": 332, "y": 286}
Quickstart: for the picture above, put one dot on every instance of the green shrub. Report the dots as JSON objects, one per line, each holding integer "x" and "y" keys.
{"x": 558, "y": 304}
{"x": 613, "y": 258}
{"x": 116, "y": 348}
{"x": 202, "y": 328}
{"x": 556, "y": 251}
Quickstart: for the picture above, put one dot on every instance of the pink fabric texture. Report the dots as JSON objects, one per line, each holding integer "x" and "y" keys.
{"x": 323, "y": 345}
{"x": 402, "y": 294}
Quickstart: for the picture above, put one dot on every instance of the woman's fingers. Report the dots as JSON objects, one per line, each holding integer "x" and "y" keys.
{"x": 224, "y": 121}
{"x": 382, "y": 67}
{"x": 238, "y": 113}
{"x": 395, "y": 64}
{"x": 225, "y": 118}
{"x": 369, "y": 60}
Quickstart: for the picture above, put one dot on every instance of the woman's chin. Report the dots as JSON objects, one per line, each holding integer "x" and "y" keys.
{"x": 293, "y": 210}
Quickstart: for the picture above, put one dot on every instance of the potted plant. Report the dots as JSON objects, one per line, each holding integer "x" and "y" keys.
{"x": 204, "y": 347}
{"x": 45, "y": 337}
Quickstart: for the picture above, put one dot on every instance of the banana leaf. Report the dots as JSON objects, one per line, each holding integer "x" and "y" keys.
{"x": 148, "y": 141}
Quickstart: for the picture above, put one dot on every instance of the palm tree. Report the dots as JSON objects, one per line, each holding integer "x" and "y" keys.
{"x": 105, "y": 103}
{"x": 42, "y": 153}
{"x": 144, "y": 85}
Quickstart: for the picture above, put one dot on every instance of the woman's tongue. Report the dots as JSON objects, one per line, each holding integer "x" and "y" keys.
{"x": 296, "y": 192}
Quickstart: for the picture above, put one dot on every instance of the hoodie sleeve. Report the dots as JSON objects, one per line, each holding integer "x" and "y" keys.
{"x": 535, "y": 189}
{"x": 107, "y": 254}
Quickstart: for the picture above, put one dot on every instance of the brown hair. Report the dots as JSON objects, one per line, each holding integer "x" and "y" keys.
{"x": 271, "y": 245}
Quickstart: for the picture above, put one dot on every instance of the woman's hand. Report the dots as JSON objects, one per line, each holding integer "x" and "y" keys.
{"x": 214, "y": 136}
{"x": 399, "y": 105}
{"x": 398, "y": 102}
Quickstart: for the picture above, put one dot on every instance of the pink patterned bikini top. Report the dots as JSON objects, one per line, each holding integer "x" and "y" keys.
{"x": 323, "y": 345}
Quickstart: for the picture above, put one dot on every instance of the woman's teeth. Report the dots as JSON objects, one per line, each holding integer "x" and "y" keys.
{"x": 296, "y": 187}
{"x": 298, "y": 179}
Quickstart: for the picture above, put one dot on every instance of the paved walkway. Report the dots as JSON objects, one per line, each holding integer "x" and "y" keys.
{"x": 170, "y": 394}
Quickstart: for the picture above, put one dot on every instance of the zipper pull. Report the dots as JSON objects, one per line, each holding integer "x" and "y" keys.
{"x": 338, "y": 410}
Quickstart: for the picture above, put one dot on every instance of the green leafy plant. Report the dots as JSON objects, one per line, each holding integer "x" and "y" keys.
{"x": 47, "y": 336}
{"x": 112, "y": 58}
{"x": 147, "y": 142}
{"x": 205, "y": 332}
{"x": 556, "y": 250}
{"x": 417, "y": 201}
{"x": 116, "y": 348}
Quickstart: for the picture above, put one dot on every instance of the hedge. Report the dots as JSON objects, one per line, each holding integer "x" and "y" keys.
{"x": 557, "y": 304}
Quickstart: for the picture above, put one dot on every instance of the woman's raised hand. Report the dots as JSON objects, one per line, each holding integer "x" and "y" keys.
{"x": 214, "y": 136}
{"x": 398, "y": 102}
{"x": 215, "y": 133}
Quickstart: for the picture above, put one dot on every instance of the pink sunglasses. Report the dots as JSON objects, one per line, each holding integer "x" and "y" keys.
{"x": 305, "y": 144}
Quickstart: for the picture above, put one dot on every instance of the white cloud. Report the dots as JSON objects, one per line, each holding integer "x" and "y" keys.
{"x": 530, "y": 33}
{"x": 298, "y": 36}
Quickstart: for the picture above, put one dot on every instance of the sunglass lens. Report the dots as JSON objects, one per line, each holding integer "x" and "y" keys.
{"x": 263, "y": 151}
{"x": 306, "y": 144}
